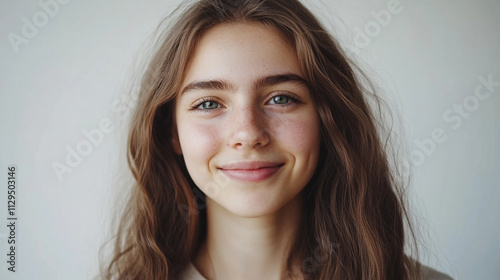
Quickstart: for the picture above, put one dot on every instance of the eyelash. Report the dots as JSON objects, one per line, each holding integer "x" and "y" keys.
{"x": 196, "y": 105}
{"x": 292, "y": 100}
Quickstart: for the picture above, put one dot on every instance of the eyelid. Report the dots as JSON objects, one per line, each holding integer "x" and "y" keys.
{"x": 293, "y": 97}
{"x": 195, "y": 106}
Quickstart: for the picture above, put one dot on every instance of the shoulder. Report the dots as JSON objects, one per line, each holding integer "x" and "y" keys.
{"x": 432, "y": 274}
{"x": 191, "y": 273}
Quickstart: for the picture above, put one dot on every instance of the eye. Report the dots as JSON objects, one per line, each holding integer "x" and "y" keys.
{"x": 284, "y": 99}
{"x": 209, "y": 105}
{"x": 280, "y": 99}
{"x": 206, "y": 104}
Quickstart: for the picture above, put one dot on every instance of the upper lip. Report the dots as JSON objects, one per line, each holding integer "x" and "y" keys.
{"x": 250, "y": 165}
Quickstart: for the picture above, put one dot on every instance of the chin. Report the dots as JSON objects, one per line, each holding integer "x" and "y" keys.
{"x": 253, "y": 206}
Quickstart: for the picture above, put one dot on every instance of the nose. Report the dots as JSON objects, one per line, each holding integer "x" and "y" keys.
{"x": 248, "y": 129}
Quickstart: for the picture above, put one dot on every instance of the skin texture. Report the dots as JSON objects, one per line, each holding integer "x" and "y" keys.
{"x": 227, "y": 125}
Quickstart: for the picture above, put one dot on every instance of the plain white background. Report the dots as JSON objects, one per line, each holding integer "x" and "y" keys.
{"x": 70, "y": 75}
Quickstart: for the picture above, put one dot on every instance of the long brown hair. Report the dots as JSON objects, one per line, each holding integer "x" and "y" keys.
{"x": 354, "y": 216}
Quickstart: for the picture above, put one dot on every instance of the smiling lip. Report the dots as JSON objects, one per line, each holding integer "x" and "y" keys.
{"x": 251, "y": 171}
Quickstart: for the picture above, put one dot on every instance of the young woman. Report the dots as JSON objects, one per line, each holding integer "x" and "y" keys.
{"x": 256, "y": 156}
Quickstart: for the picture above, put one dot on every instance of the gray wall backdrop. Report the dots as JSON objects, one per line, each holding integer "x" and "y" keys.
{"x": 64, "y": 72}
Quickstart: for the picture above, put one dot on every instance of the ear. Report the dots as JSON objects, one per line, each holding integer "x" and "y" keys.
{"x": 174, "y": 141}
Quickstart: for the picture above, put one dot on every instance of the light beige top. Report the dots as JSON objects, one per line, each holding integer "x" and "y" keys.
{"x": 191, "y": 273}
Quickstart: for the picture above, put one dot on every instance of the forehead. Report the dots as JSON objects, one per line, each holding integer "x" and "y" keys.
{"x": 239, "y": 50}
{"x": 243, "y": 31}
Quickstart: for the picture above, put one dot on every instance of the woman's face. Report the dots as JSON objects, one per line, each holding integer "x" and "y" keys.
{"x": 246, "y": 122}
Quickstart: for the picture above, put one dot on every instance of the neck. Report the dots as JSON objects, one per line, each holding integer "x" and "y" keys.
{"x": 249, "y": 248}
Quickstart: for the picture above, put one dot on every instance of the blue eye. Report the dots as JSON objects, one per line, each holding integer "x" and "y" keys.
{"x": 280, "y": 99}
{"x": 209, "y": 105}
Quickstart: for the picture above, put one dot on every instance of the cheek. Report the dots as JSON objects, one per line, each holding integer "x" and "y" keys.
{"x": 299, "y": 135}
{"x": 198, "y": 142}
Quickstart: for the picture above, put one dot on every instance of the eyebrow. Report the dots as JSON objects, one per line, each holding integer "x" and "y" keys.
{"x": 272, "y": 80}
{"x": 212, "y": 84}
{"x": 266, "y": 81}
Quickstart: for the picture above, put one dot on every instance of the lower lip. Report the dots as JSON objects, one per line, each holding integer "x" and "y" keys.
{"x": 251, "y": 175}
